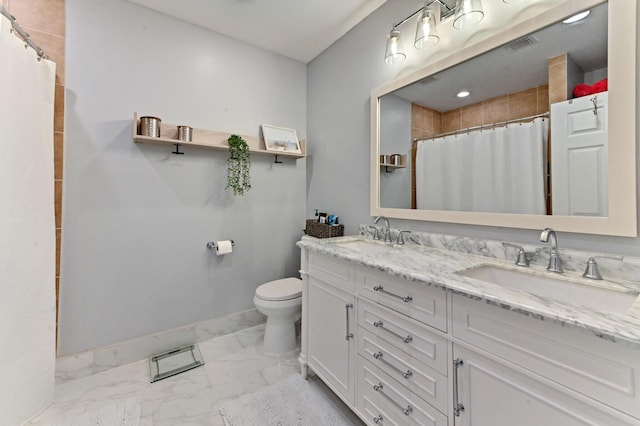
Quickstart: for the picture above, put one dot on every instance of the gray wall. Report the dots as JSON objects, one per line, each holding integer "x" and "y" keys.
{"x": 340, "y": 82}
{"x": 136, "y": 218}
{"x": 395, "y": 183}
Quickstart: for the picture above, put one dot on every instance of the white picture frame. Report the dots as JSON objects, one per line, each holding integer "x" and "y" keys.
{"x": 280, "y": 139}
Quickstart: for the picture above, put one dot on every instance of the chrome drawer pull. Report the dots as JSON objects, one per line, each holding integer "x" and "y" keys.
{"x": 405, "y": 299}
{"x": 457, "y": 406}
{"x": 347, "y": 307}
{"x": 405, "y": 374}
{"x": 380, "y": 324}
{"x": 378, "y": 419}
{"x": 407, "y": 411}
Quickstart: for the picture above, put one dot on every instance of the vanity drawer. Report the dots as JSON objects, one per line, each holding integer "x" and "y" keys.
{"x": 381, "y": 397}
{"x": 334, "y": 271}
{"x": 404, "y": 334}
{"x": 597, "y": 368}
{"x": 416, "y": 300}
{"x": 408, "y": 371}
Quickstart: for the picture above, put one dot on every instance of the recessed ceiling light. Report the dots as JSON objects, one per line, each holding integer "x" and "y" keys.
{"x": 576, "y": 18}
{"x": 463, "y": 94}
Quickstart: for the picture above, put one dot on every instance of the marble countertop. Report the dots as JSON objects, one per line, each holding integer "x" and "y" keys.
{"x": 438, "y": 267}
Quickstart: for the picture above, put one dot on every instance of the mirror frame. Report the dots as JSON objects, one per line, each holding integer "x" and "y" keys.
{"x": 622, "y": 218}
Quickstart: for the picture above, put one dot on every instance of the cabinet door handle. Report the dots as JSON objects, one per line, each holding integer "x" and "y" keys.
{"x": 457, "y": 406}
{"x": 380, "y": 324}
{"x": 405, "y": 299}
{"x": 380, "y": 356}
{"x": 346, "y": 308}
{"x": 379, "y": 388}
{"x": 378, "y": 419}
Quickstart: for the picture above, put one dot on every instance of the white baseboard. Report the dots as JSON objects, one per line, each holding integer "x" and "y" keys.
{"x": 75, "y": 366}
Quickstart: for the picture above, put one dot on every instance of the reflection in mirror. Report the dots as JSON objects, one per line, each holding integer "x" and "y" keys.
{"x": 519, "y": 142}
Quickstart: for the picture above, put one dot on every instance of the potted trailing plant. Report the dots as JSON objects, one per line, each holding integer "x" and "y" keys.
{"x": 238, "y": 165}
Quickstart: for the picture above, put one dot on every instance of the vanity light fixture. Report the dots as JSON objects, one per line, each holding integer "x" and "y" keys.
{"x": 465, "y": 13}
{"x": 426, "y": 31}
{"x": 578, "y": 17}
{"x": 395, "y": 51}
{"x": 468, "y": 13}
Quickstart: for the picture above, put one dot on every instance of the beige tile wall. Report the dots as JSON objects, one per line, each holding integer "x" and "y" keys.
{"x": 426, "y": 122}
{"x": 558, "y": 78}
{"x": 44, "y": 20}
{"x": 509, "y": 107}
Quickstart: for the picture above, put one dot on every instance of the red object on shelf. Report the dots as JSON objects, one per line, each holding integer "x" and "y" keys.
{"x": 600, "y": 86}
{"x": 583, "y": 89}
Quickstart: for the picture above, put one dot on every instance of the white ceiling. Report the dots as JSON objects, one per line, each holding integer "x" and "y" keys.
{"x": 299, "y": 29}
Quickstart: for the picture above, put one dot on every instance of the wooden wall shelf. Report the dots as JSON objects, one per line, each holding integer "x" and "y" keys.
{"x": 388, "y": 166}
{"x": 209, "y": 139}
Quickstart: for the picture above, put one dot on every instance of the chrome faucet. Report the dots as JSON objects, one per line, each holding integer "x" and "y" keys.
{"x": 592, "y": 271}
{"x": 555, "y": 264}
{"x": 376, "y": 234}
{"x": 387, "y": 230}
{"x": 522, "y": 259}
{"x": 400, "y": 241}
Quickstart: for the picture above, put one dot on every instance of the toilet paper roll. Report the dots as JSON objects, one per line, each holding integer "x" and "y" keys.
{"x": 223, "y": 247}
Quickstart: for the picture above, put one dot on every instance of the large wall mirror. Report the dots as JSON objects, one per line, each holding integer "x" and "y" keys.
{"x": 521, "y": 150}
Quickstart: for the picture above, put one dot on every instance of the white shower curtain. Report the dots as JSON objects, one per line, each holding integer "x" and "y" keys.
{"x": 499, "y": 170}
{"x": 27, "y": 230}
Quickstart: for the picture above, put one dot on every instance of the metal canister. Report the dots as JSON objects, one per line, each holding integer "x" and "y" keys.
{"x": 150, "y": 126}
{"x": 185, "y": 133}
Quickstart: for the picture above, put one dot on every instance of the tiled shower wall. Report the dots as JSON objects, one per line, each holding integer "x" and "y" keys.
{"x": 426, "y": 122}
{"x": 44, "y": 20}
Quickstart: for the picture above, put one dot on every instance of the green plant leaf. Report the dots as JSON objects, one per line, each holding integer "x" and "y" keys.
{"x": 238, "y": 165}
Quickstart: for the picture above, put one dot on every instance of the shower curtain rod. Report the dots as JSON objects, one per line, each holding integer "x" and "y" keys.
{"x": 22, "y": 33}
{"x": 484, "y": 126}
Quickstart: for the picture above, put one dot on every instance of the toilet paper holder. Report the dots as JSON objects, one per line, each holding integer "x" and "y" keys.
{"x": 212, "y": 245}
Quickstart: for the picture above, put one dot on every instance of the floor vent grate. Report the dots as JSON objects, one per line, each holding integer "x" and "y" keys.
{"x": 174, "y": 361}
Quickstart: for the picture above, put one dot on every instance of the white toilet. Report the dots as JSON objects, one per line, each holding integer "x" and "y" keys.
{"x": 281, "y": 302}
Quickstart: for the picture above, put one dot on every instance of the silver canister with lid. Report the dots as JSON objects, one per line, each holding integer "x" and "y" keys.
{"x": 150, "y": 126}
{"x": 185, "y": 133}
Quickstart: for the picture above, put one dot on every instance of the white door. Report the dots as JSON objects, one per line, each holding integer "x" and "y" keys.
{"x": 331, "y": 347}
{"x": 579, "y": 155}
{"x": 497, "y": 395}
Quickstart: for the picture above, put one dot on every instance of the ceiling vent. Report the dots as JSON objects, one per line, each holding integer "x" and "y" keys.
{"x": 522, "y": 43}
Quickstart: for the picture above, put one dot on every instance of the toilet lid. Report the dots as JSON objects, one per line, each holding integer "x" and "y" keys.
{"x": 284, "y": 289}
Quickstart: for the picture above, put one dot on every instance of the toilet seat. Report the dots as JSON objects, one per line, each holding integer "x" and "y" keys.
{"x": 284, "y": 289}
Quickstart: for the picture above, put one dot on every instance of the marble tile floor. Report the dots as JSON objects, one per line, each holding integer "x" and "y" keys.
{"x": 234, "y": 365}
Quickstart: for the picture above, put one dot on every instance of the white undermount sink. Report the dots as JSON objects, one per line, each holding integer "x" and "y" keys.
{"x": 598, "y": 298}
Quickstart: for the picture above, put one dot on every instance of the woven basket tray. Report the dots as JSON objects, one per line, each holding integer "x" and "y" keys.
{"x": 322, "y": 230}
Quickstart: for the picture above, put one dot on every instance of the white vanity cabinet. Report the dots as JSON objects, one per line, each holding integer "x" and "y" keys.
{"x": 519, "y": 370}
{"x": 492, "y": 393}
{"x": 400, "y": 352}
{"x": 331, "y": 323}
